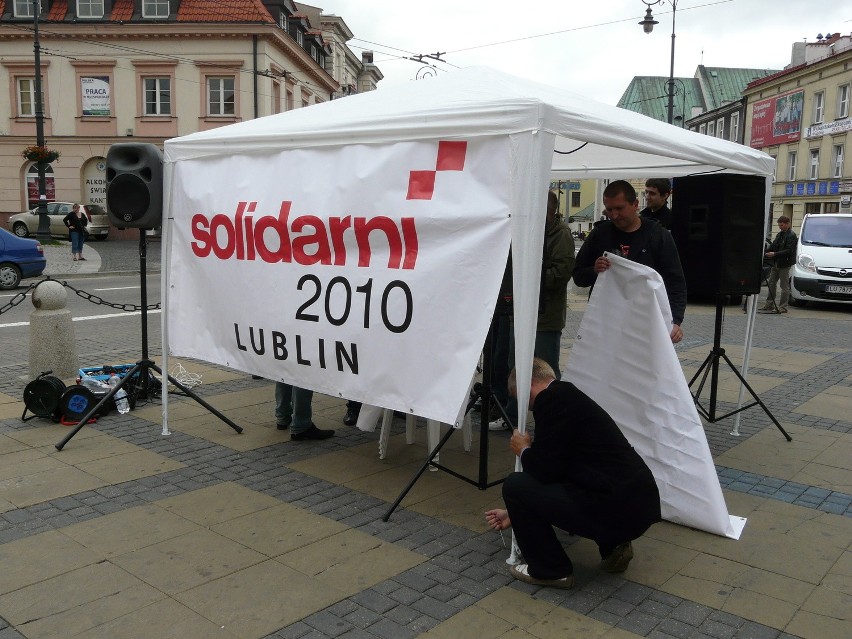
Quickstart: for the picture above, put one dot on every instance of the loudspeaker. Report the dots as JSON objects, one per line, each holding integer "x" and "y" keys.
{"x": 717, "y": 226}
{"x": 134, "y": 190}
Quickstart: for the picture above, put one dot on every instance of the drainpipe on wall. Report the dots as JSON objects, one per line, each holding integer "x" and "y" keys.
{"x": 254, "y": 62}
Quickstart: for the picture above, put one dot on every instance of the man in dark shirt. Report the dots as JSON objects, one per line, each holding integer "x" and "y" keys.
{"x": 639, "y": 239}
{"x": 581, "y": 475}
{"x": 657, "y": 191}
{"x": 782, "y": 252}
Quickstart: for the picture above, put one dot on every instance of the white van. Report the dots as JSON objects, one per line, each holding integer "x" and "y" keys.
{"x": 823, "y": 268}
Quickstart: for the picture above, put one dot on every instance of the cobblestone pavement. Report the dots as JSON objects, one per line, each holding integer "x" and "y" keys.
{"x": 130, "y": 533}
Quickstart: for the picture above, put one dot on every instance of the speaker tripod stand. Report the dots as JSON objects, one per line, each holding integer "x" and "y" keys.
{"x": 710, "y": 366}
{"x": 483, "y": 392}
{"x": 142, "y": 370}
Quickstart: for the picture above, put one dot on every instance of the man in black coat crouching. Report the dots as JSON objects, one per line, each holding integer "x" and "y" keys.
{"x": 580, "y": 475}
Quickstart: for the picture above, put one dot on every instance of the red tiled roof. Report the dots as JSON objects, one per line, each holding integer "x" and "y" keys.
{"x": 57, "y": 11}
{"x": 217, "y": 11}
{"x": 122, "y": 11}
{"x": 769, "y": 78}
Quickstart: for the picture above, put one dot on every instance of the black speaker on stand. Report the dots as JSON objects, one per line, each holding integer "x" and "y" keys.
{"x": 717, "y": 225}
{"x": 135, "y": 199}
{"x": 134, "y": 192}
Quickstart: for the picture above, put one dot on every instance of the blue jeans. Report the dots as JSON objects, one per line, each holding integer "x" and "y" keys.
{"x": 547, "y": 348}
{"x": 77, "y": 240}
{"x": 293, "y": 406}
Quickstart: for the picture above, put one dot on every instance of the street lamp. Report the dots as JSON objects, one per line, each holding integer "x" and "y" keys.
{"x": 648, "y": 26}
{"x": 43, "y": 221}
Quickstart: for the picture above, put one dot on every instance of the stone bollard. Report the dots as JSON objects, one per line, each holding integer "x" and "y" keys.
{"x": 53, "y": 345}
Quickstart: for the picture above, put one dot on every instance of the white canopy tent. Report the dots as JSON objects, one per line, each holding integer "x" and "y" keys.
{"x": 339, "y": 156}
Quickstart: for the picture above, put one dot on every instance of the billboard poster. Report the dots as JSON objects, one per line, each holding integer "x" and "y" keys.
{"x": 95, "y": 95}
{"x": 777, "y": 120}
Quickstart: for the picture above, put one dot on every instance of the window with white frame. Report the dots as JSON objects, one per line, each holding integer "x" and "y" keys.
{"x": 813, "y": 169}
{"x": 837, "y": 161}
{"x": 791, "y": 166}
{"x": 90, "y": 8}
{"x": 158, "y": 96}
{"x": 775, "y": 169}
{"x": 702, "y": 128}
{"x": 220, "y": 96}
{"x": 26, "y": 97}
{"x": 282, "y": 19}
{"x": 819, "y": 107}
{"x": 300, "y": 38}
{"x": 734, "y": 134}
{"x": 155, "y": 8}
{"x": 843, "y": 101}
{"x": 711, "y": 129}
{"x": 720, "y": 128}
{"x": 24, "y": 8}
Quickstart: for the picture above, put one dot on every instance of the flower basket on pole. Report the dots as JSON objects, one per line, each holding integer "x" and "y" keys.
{"x": 40, "y": 154}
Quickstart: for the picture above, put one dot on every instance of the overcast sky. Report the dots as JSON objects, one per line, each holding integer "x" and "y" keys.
{"x": 593, "y": 47}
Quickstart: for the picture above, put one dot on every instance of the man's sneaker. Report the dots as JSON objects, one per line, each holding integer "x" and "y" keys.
{"x": 782, "y": 309}
{"x": 521, "y": 572}
{"x": 618, "y": 559}
{"x": 498, "y": 424}
{"x": 312, "y": 433}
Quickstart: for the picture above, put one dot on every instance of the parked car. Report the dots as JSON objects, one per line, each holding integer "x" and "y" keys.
{"x": 19, "y": 258}
{"x": 26, "y": 223}
{"x": 823, "y": 268}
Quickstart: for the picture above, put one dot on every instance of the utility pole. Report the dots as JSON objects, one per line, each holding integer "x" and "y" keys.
{"x": 43, "y": 232}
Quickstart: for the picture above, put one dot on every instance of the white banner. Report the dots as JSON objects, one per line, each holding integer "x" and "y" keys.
{"x": 623, "y": 358}
{"x": 365, "y": 272}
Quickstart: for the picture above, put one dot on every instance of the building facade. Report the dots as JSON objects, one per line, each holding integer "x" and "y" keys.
{"x": 145, "y": 71}
{"x": 801, "y": 117}
{"x": 353, "y": 74}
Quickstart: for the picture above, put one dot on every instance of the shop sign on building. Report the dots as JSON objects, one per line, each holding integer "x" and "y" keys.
{"x": 95, "y": 183}
{"x": 829, "y": 128}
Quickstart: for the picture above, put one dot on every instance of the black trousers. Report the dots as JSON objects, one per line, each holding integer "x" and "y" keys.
{"x": 535, "y": 508}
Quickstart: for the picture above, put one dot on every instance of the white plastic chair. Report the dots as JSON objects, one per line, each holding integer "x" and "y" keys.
{"x": 433, "y": 432}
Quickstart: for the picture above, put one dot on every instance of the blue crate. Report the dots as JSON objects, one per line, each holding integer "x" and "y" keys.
{"x": 97, "y": 372}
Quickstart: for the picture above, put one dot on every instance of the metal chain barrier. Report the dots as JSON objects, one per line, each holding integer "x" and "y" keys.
{"x": 94, "y": 299}
{"x": 17, "y": 299}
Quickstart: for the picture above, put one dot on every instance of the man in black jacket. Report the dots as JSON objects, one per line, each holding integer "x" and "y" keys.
{"x": 638, "y": 239}
{"x": 580, "y": 475}
{"x": 782, "y": 252}
{"x": 657, "y": 191}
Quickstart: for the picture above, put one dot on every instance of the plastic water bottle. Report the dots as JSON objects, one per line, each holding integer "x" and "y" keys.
{"x": 121, "y": 403}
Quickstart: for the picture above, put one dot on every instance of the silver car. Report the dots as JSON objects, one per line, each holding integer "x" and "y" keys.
{"x": 26, "y": 223}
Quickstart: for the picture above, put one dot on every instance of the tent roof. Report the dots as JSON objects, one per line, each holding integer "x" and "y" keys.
{"x": 594, "y": 140}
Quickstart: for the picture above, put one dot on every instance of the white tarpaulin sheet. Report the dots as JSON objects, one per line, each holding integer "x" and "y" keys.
{"x": 623, "y": 358}
{"x": 363, "y": 272}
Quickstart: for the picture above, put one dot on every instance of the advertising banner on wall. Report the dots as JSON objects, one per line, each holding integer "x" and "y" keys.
{"x": 95, "y": 95}
{"x": 364, "y": 272}
{"x": 777, "y": 119}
